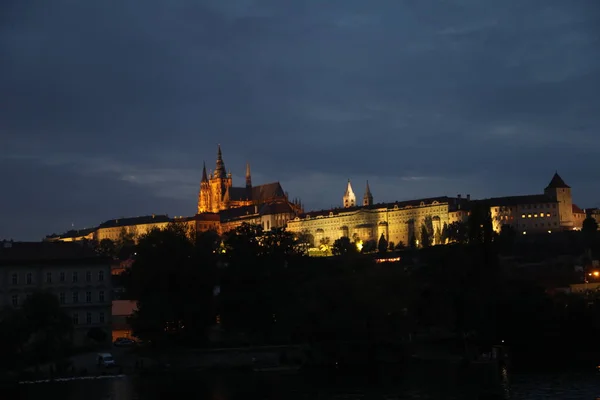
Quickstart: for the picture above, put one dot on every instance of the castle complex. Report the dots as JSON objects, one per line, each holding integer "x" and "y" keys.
{"x": 223, "y": 207}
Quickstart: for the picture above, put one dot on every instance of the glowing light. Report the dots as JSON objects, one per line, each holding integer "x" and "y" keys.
{"x": 596, "y": 273}
{"x": 359, "y": 245}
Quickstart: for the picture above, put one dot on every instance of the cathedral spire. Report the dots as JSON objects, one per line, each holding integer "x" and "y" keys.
{"x": 248, "y": 176}
{"x": 204, "y": 177}
{"x": 220, "y": 171}
{"x": 368, "y": 197}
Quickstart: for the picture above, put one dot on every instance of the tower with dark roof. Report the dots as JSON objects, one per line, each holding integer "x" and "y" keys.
{"x": 559, "y": 191}
{"x": 368, "y": 197}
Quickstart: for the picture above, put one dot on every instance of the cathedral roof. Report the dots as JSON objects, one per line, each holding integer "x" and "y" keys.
{"x": 557, "y": 183}
{"x": 267, "y": 191}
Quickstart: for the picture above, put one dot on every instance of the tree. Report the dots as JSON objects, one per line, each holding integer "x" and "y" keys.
{"x": 444, "y": 236}
{"x": 174, "y": 287}
{"x": 107, "y": 248}
{"x": 426, "y": 238}
{"x": 343, "y": 246}
{"x": 479, "y": 224}
{"x": 47, "y": 325}
{"x": 125, "y": 244}
{"x": 457, "y": 232}
{"x": 382, "y": 246}
{"x": 507, "y": 237}
{"x": 369, "y": 246}
{"x": 400, "y": 245}
{"x": 589, "y": 230}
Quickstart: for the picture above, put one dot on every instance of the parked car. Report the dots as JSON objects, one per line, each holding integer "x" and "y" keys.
{"x": 106, "y": 360}
{"x": 124, "y": 342}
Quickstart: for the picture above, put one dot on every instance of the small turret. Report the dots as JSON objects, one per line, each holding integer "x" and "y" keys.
{"x": 349, "y": 199}
{"x": 368, "y": 197}
{"x": 204, "y": 176}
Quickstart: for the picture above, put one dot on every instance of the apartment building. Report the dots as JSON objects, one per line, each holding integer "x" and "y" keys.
{"x": 73, "y": 273}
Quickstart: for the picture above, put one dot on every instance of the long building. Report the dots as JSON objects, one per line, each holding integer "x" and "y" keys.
{"x": 551, "y": 211}
{"x": 74, "y": 274}
{"x": 397, "y": 222}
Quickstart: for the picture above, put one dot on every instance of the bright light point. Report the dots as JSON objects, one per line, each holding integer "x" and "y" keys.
{"x": 359, "y": 245}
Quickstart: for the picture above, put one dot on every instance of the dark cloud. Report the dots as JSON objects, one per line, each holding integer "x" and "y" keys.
{"x": 123, "y": 102}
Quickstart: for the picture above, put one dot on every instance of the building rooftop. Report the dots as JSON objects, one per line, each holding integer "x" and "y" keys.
{"x": 47, "y": 252}
{"x": 147, "y": 219}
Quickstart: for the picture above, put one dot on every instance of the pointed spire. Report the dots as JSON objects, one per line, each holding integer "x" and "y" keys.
{"x": 368, "y": 197}
{"x": 557, "y": 182}
{"x": 204, "y": 177}
{"x": 248, "y": 176}
{"x": 349, "y": 199}
{"x": 220, "y": 168}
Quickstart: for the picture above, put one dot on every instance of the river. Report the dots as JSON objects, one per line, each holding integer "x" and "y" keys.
{"x": 419, "y": 385}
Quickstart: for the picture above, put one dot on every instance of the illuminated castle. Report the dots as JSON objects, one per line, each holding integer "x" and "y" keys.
{"x": 217, "y": 192}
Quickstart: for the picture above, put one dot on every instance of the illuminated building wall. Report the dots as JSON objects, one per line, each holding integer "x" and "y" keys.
{"x": 398, "y": 222}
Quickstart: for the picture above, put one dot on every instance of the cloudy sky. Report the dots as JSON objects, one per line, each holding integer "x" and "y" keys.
{"x": 108, "y": 108}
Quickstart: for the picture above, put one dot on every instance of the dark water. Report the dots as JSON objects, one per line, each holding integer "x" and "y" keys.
{"x": 407, "y": 385}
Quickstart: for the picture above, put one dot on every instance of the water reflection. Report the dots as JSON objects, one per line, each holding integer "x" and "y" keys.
{"x": 409, "y": 385}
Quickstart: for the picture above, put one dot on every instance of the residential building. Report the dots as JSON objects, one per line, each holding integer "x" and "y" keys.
{"x": 73, "y": 273}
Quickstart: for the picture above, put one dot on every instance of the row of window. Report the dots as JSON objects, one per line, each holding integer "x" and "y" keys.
{"x": 525, "y": 207}
{"x": 88, "y": 318}
{"x": 62, "y": 297}
{"x": 61, "y": 277}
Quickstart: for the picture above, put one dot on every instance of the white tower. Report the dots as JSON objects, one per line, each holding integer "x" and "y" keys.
{"x": 349, "y": 197}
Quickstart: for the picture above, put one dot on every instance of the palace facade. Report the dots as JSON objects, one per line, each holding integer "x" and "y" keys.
{"x": 397, "y": 222}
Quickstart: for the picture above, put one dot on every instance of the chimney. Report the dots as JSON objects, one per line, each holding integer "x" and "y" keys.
{"x": 468, "y": 197}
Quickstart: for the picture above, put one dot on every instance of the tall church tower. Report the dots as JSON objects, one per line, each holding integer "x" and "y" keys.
{"x": 558, "y": 190}
{"x": 204, "y": 196}
{"x": 349, "y": 199}
{"x": 220, "y": 182}
{"x": 368, "y": 197}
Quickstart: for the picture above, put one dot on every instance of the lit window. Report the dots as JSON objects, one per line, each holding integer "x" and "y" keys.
{"x": 534, "y": 215}
{"x": 529, "y": 216}
{"x": 541, "y": 214}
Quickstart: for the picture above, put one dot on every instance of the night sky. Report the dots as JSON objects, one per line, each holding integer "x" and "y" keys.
{"x": 108, "y": 108}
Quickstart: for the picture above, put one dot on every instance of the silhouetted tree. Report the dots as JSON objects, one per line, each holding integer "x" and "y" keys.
{"x": 589, "y": 231}
{"x": 382, "y": 246}
{"x": 458, "y": 232}
{"x": 48, "y": 326}
{"x": 369, "y": 246}
{"x": 506, "y": 237}
{"x": 107, "y": 248}
{"x": 480, "y": 228}
{"x": 343, "y": 246}
{"x": 173, "y": 287}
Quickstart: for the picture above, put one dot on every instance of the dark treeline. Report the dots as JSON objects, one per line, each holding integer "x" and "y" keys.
{"x": 254, "y": 287}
